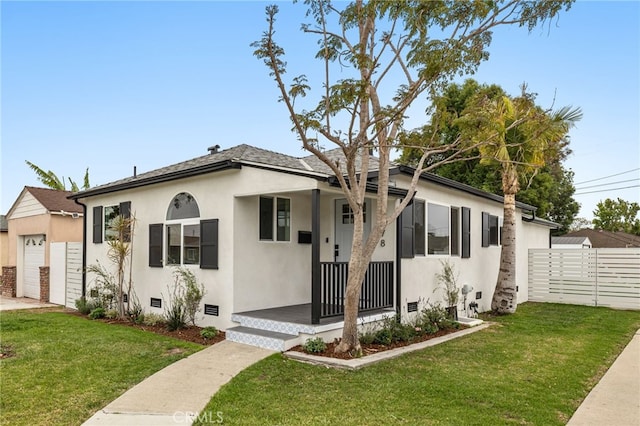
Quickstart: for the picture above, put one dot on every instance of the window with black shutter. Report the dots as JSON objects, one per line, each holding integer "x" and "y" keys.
{"x": 407, "y": 233}
{"x": 485, "y": 229}
{"x": 155, "y": 245}
{"x": 466, "y": 232}
{"x": 97, "y": 224}
{"x": 418, "y": 227}
{"x": 209, "y": 244}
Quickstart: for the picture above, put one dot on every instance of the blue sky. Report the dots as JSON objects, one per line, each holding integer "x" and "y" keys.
{"x": 113, "y": 85}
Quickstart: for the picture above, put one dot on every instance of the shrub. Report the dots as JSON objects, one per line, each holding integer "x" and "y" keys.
{"x": 97, "y": 313}
{"x": 111, "y": 314}
{"x": 175, "y": 315}
{"x": 151, "y": 319}
{"x": 315, "y": 345}
{"x": 83, "y": 306}
{"x": 209, "y": 333}
{"x": 383, "y": 336}
{"x": 193, "y": 293}
{"x": 367, "y": 338}
{"x": 432, "y": 318}
{"x": 135, "y": 312}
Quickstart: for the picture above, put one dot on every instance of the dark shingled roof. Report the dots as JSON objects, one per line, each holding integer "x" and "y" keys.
{"x": 54, "y": 200}
{"x": 607, "y": 239}
{"x": 568, "y": 240}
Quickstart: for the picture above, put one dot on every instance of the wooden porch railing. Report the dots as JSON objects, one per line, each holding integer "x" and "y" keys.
{"x": 376, "y": 293}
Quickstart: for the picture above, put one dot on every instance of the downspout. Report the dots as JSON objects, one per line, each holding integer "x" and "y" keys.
{"x": 530, "y": 219}
{"x": 398, "y": 267}
{"x": 84, "y": 246}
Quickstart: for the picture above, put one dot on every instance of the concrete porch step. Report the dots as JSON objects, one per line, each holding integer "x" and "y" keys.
{"x": 266, "y": 339}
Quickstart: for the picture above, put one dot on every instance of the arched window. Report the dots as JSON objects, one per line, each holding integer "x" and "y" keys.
{"x": 183, "y": 231}
{"x": 183, "y": 206}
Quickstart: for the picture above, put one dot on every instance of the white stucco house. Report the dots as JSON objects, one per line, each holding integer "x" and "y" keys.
{"x": 269, "y": 236}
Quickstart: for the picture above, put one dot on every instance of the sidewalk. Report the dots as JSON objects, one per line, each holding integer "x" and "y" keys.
{"x": 177, "y": 393}
{"x": 15, "y": 303}
{"x": 615, "y": 400}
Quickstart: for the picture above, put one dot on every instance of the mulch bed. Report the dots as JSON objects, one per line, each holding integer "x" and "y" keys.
{"x": 188, "y": 334}
{"x": 374, "y": 348}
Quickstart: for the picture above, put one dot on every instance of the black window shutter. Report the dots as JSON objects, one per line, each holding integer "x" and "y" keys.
{"x": 485, "y": 229}
{"x": 155, "y": 245}
{"x": 209, "y": 244}
{"x": 418, "y": 225}
{"x": 125, "y": 209}
{"x": 97, "y": 224}
{"x": 125, "y": 212}
{"x": 407, "y": 233}
{"x": 466, "y": 232}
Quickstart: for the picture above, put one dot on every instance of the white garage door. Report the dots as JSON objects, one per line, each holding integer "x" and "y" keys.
{"x": 33, "y": 260}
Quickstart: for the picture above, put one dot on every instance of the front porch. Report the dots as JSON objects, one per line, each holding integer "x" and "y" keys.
{"x": 283, "y": 327}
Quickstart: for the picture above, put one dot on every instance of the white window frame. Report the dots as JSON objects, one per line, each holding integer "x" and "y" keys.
{"x": 165, "y": 248}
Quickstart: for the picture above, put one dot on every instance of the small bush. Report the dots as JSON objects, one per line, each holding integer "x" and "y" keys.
{"x": 111, "y": 314}
{"x": 383, "y": 336}
{"x": 209, "y": 333}
{"x": 83, "y": 306}
{"x": 135, "y": 312}
{"x": 315, "y": 345}
{"x": 151, "y": 319}
{"x": 176, "y": 316}
{"x": 367, "y": 338}
{"x": 97, "y": 313}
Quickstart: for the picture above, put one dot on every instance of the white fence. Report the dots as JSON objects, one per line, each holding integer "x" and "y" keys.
{"x": 595, "y": 277}
{"x": 65, "y": 275}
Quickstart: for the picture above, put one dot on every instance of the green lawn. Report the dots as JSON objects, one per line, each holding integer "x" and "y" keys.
{"x": 66, "y": 367}
{"x": 534, "y": 367}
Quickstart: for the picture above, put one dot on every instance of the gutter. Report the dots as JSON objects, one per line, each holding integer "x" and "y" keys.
{"x": 530, "y": 219}
{"x": 84, "y": 246}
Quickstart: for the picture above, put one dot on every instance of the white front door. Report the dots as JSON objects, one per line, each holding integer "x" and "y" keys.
{"x": 344, "y": 229}
{"x": 33, "y": 260}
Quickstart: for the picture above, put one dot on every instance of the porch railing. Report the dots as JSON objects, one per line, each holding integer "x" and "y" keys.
{"x": 376, "y": 292}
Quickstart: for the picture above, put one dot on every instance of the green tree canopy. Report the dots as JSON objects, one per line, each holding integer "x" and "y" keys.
{"x": 51, "y": 180}
{"x": 550, "y": 188}
{"x": 617, "y": 215}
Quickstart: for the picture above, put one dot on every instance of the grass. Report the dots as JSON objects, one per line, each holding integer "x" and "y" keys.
{"x": 534, "y": 367}
{"x": 64, "y": 368}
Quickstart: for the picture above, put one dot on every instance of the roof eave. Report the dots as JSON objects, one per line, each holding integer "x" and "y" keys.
{"x": 166, "y": 177}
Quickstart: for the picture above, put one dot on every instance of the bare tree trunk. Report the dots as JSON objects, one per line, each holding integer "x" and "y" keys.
{"x": 505, "y": 296}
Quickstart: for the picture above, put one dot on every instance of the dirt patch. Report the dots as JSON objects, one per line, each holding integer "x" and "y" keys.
{"x": 188, "y": 334}
{"x": 6, "y": 351}
{"x": 373, "y": 348}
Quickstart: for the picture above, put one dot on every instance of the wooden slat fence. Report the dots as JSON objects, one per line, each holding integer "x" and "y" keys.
{"x": 594, "y": 277}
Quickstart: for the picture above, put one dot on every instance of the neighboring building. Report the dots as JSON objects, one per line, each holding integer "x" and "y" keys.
{"x": 4, "y": 242}
{"x": 606, "y": 239}
{"x": 269, "y": 235}
{"x": 570, "y": 242}
{"x": 38, "y": 217}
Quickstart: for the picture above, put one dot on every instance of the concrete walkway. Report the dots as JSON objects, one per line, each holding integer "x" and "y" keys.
{"x": 177, "y": 393}
{"x": 15, "y": 303}
{"x": 615, "y": 400}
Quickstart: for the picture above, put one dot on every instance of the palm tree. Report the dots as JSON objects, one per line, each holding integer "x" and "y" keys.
{"x": 52, "y": 181}
{"x": 520, "y": 136}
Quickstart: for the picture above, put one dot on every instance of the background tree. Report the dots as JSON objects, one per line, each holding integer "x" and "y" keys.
{"x": 551, "y": 189}
{"x": 51, "y": 180}
{"x": 364, "y": 49}
{"x": 617, "y": 215}
{"x": 520, "y": 138}
{"x": 580, "y": 223}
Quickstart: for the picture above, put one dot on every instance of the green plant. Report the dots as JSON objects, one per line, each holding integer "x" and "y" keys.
{"x": 315, "y": 345}
{"x": 193, "y": 293}
{"x": 209, "y": 332}
{"x": 111, "y": 314}
{"x": 448, "y": 283}
{"x": 135, "y": 313}
{"x": 152, "y": 319}
{"x": 83, "y": 306}
{"x": 97, "y": 313}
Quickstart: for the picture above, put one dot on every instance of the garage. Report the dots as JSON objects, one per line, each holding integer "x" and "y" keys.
{"x": 33, "y": 259}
